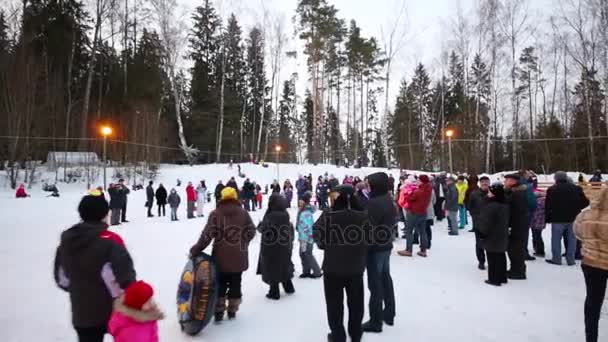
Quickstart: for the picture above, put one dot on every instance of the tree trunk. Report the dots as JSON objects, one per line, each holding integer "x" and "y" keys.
{"x": 68, "y": 113}
{"x": 90, "y": 69}
{"x": 178, "y": 116}
{"x": 221, "y": 124}
{"x": 514, "y": 104}
{"x": 125, "y": 43}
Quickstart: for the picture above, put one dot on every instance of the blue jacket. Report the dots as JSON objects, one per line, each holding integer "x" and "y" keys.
{"x": 531, "y": 198}
{"x": 305, "y": 222}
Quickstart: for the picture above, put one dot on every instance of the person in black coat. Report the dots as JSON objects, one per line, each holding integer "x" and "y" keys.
{"x": 382, "y": 214}
{"x": 493, "y": 226}
{"x": 161, "y": 199}
{"x": 342, "y": 233}
{"x": 218, "y": 191}
{"x": 517, "y": 198}
{"x": 249, "y": 195}
{"x": 232, "y": 184}
{"x": 150, "y": 198}
{"x": 475, "y": 202}
{"x": 276, "y": 248}
{"x": 92, "y": 265}
{"x": 322, "y": 193}
{"x": 564, "y": 201}
{"x": 123, "y": 192}
{"x": 275, "y": 187}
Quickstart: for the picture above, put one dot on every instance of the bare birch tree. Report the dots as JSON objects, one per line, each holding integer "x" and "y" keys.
{"x": 172, "y": 32}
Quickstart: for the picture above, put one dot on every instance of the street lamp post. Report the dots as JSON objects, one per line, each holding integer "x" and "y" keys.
{"x": 105, "y": 131}
{"x": 277, "y": 149}
{"x": 450, "y": 133}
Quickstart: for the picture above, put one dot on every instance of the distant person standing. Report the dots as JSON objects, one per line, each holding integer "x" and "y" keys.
{"x": 116, "y": 204}
{"x": 462, "y": 186}
{"x": 563, "y": 203}
{"x": 174, "y": 201}
{"x": 191, "y": 198}
{"x": 201, "y": 195}
{"x": 451, "y": 205}
{"x": 150, "y": 198}
{"x": 475, "y": 203}
{"x": 123, "y": 192}
{"x": 161, "y": 199}
{"x": 591, "y": 227}
{"x": 218, "y": 191}
{"x": 440, "y": 188}
{"x": 597, "y": 177}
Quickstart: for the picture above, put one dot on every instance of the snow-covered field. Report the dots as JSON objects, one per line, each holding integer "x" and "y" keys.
{"x": 441, "y": 298}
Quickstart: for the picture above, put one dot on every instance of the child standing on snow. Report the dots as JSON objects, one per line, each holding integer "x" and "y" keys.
{"x": 133, "y": 319}
{"x": 174, "y": 201}
{"x": 305, "y": 221}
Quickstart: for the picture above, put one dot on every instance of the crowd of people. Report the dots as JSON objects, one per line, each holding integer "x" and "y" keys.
{"x": 357, "y": 230}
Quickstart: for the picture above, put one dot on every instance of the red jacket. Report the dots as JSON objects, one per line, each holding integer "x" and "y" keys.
{"x": 420, "y": 199}
{"x": 191, "y": 193}
{"x": 20, "y": 193}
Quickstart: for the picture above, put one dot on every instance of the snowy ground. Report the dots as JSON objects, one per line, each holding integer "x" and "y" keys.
{"x": 441, "y": 298}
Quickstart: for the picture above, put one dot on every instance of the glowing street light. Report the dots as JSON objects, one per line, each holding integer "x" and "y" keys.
{"x": 105, "y": 131}
{"x": 277, "y": 149}
{"x": 450, "y": 133}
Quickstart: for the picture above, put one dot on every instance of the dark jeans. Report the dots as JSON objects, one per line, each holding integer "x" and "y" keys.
{"x": 439, "y": 212}
{"x": 517, "y": 255}
{"x": 124, "y": 212}
{"x": 577, "y": 251}
{"x": 381, "y": 289}
{"x": 94, "y": 334}
{"x": 479, "y": 251}
{"x": 230, "y": 285}
{"x": 429, "y": 233}
{"x": 334, "y": 299}
{"x": 161, "y": 208}
{"x": 497, "y": 267}
{"x": 537, "y": 242}
{"x": 416, "y": 223}
{"x": 250, "y": 204}
{"x": 595, "y": 280}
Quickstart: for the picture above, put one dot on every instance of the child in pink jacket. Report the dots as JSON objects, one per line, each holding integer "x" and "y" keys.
{"x": 131, "y": 320}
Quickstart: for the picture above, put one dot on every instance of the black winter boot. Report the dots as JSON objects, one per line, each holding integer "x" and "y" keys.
{"x": 274, "y": 292}
{"x": 288, "y": 287}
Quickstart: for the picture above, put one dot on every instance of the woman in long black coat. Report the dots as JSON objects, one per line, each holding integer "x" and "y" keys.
{"x": 275, "y": 264}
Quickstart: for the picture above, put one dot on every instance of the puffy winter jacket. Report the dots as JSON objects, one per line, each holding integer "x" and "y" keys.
{"x": 405, "y": 193}
{"x": 332, "y": 230}
{"x": 451, "y": 198}
{"x": 494, "y": 226}
{"x": 419, "y": 201}
{"x": 305, "y": 223}
{"x": 591, "y": 227}
{"x": 174, "y": 200}
{"x": 161, "y": 195}
{"x": 127, "y": 329}
{"x": 231, "y": 229}
{"x": 564, "y": 202}
{"x": 190, "y": 193}
{"x": 462, "y": 191}
{"x": 92, "y": 264}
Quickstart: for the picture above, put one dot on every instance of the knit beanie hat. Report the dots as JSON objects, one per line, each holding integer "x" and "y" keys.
{"x": 228, "y": 193}
{"x": 138, "y": 294}
{"x": 93, "y": 207}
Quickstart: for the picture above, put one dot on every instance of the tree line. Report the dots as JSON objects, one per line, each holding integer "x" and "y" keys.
{"x": 516, "y": 91}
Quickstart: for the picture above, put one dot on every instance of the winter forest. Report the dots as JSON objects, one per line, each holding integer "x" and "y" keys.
{"x": 520, "y": 86}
